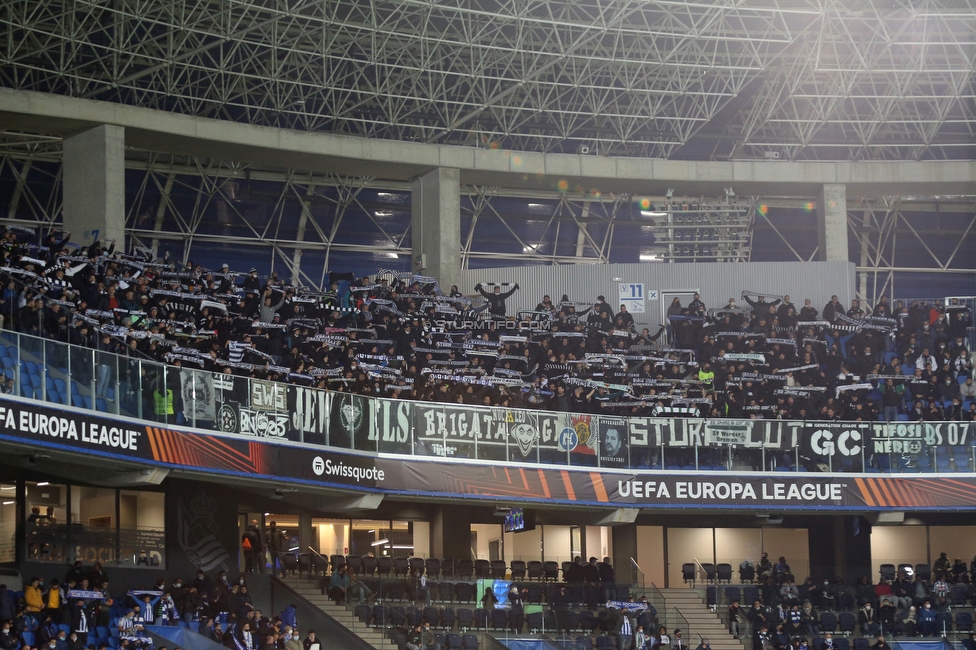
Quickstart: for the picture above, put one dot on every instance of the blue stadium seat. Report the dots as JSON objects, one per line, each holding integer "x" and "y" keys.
{"x": 828, "y": 622}
{"x": 964, "y": 621}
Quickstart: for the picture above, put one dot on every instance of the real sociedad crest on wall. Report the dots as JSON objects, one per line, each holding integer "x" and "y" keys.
{"x": 198, "y": 534}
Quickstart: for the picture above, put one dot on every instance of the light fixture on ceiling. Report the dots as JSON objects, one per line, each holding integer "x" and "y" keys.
{"x": 380, "y": 542}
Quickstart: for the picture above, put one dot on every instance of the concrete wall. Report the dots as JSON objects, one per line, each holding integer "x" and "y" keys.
{"x": 716, "y": 282}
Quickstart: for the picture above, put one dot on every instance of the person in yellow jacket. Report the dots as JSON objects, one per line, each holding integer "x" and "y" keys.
{"x": 706, "y": 376}
{"x": 54, "y": 600}
{"x": 33, "y": 597}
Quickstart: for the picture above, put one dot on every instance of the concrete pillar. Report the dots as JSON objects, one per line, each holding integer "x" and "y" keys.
{"x": 624, "y": 545}
{"x": 435, "y": 207}
{"x": 832, "y": 223}
{"x": 94, "y": 185}
{"x": 306, "y": 536}
{"x": 450, "y": 533}
{"x": 840, "y": 545}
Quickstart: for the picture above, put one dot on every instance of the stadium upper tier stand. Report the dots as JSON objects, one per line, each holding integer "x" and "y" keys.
{"x": 165, "y": 342}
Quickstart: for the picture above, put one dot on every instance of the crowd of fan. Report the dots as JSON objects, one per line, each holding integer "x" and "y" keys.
{"x": 81, "y": 612}
{"x": 783, "y": 612}
{"x": 397, "y": 335}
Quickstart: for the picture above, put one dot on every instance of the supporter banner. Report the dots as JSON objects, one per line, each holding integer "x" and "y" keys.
{"x": 198, "y": 395}
{"x": 913, "y": 437}
{"x": 451, "y": 432}
{"x": 729, "y": 432}
{"x": 821, "y": 440}
{"x": 393, "y": 426}
{"x": 309, "y": 412}
{"x": 627, "y": 606}
{"x": 267, "y": 395}
{"x": 614, "y": 450}
{"x": 41, "y": 425}
{"x": 698, "y": 432}
{"x": 651, "y": 432}
{"x": 586, "y": 442}
{"x": 270, "y": 424}
{"x": 350, "y": 421}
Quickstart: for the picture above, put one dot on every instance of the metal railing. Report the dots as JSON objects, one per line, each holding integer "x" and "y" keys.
{"x": 69, "y": 375}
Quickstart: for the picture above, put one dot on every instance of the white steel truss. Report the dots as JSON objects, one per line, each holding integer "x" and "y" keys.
{"x": 304, "y": 225}
{"x": 715, "y": 79}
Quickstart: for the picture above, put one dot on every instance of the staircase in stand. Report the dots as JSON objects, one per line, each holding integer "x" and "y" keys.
{"x": 308, "y": 588}
{"x": 691, "y": 605}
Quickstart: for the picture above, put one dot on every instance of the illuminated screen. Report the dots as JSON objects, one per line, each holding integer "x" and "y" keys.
{"x": 515, "y": 520}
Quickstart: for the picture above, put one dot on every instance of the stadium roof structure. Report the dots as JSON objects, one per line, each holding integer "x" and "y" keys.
{"x": 838, "y": 80}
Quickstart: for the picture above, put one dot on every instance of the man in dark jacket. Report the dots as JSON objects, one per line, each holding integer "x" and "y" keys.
{"x": 496, "y": 300}
{"x": 591, "y": 579}
{"x": 608, "y": 580}
{"x": 253, "y": 548}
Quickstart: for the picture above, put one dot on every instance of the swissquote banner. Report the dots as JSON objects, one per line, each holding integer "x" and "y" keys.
{"x": 388, "y": 423}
